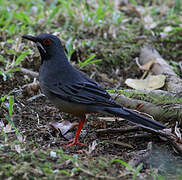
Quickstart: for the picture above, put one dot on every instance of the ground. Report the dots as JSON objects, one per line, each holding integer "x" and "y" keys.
{"x": 32, "y": 149}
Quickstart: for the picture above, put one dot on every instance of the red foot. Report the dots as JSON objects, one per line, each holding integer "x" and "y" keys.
{"x": 73, "y": 143}
{"x": 75, "y": 140}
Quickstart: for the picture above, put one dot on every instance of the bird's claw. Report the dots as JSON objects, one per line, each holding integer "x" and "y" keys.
{"x": 73, "y": 142}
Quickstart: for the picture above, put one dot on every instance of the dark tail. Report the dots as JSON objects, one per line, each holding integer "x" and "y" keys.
{"x": 135, "y": 118}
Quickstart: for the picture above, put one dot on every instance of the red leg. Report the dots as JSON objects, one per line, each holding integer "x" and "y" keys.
{"x": 75, "y": 140}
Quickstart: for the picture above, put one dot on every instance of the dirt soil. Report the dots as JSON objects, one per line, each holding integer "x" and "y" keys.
{"x": 32, "y": 119}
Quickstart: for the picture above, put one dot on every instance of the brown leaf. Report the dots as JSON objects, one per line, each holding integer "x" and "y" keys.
{"x": 64, "y": 128}
{"x": 32, "y": 88}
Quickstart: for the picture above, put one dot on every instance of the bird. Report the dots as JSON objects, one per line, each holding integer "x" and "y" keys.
{"x": 73, "y": 92}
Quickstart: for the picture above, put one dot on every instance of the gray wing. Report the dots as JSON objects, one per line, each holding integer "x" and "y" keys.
{"x": 86, "y": 92}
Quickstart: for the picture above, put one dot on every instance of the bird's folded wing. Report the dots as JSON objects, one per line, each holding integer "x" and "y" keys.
{"x": 88, "y": 92}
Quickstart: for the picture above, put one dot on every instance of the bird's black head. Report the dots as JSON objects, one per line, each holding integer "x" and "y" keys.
{"x": 47, "y": 44}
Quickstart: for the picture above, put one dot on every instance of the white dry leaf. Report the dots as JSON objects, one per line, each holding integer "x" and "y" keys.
{"x": 150, "y": 83}
{"x": 91, "y": 147}
{"x": 21, "y": 138}
{"x": 56, "y": 33}
{"x": 166, "y": 31}
{"x": 1, "y": 124}
{"x": 53, "y": 154}
{"x": 18, "y": 148}
{"x": 148, "y": 22}
{"x": 177, "y": 131}
{"x": 8, "y": 128}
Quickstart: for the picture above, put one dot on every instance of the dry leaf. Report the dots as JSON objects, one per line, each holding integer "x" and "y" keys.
{"x": 148, "y": 65}
{"x": 150, "y": 83}
{"x": 166, "y": 31}
{"x": 121, "y": 144}
{"x": 131, "y": 10}
{"x": 105, "y": 78}
{"x": 32, "y": 88}
{"x": 8, "y": 128}
{"x": 53, "y": 154}
{"x": 92, "y": 147}
{"x": 177, "y": 131}
{"x": 148, "y": 22}
{"x": 2, "y": 124}
{"x": 64, "y": 128}
{"x": 21, "y": 138}
{"x": 18, "y": 148}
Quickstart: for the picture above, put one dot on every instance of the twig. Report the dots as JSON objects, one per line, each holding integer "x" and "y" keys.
{"x": 118, "y": 131}
{"x": 172, "y": 139}
{"x": 29, "y": 72}
{"x": 125, "y": 145}
{"x": 145, "y": 135}
{"x": 153, "y": 93}
{"x": 35, "y": 97}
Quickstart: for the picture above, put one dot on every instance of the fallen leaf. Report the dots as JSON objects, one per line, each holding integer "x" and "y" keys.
{"x": 32, "y": 88}
{"x": 21, "y": 138}
{"x": 177, "y": 131}
{"x": 2, "y": 124}
{"x": 131, "y": 10}
{"x": 8, "y": 128}
{"x": 53, "y": 154}
{"x": 64, "y": 128}
{"x": 91, "y": 147}
{"x": 148, "y": 22}
{"x": 106, "y": 78}
{"x": 18, "y": 148}
{"x": 148, "y": 65}
{"x": 166, "y": 31}
{"x": 150, "y": 83}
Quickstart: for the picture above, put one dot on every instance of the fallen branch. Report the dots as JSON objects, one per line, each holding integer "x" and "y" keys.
{"x": 173, "y": 82}
{"x": 118, "y": 143}
{"x": 166, "y": 134}
{"x": 164, "y": 112}
{"x": 118, "y": 130}
{"x": 172, "y": 139}
{"x": 29, "y": 72}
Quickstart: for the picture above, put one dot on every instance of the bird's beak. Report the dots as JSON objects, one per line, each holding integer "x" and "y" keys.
{"x": 35, "y": 40}
{"x": 29, "y": 37}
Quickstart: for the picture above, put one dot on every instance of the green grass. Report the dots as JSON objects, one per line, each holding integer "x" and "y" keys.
{"x": 97, "y": 32}
{"x": 156, "y": 99}
{"x": 74, "y": 21}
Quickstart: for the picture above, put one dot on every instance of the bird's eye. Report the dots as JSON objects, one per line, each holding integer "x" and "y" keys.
{"x": 46, "y": 41}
